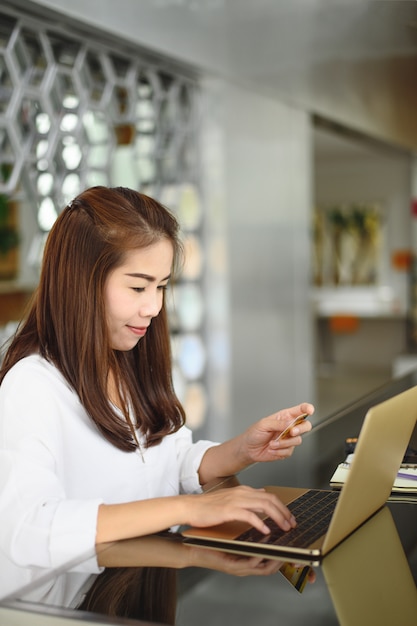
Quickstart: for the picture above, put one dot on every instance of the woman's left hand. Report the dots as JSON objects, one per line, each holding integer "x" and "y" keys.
{"x": 261, "y": 440}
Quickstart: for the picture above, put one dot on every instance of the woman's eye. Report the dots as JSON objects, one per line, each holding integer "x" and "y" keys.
{"x": 141, "y": 289}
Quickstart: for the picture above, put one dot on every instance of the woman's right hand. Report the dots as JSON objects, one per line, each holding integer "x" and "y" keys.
{"x": 231, "y": 504}
{"x": 240, "y": 503}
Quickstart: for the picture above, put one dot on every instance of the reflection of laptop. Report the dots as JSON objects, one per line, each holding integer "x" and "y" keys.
{"x": 370, "y": 585}
{"x": 383, "y": 439}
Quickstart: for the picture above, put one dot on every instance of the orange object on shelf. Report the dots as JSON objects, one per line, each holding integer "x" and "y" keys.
{"x": 339, "y": 324}
{"x": 401, "y": 260}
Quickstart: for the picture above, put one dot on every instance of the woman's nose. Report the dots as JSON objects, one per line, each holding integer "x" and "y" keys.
{"x": 152, "y": 305}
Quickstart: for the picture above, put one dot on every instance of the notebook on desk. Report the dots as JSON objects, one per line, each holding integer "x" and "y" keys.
{"x": 384, "y": 436}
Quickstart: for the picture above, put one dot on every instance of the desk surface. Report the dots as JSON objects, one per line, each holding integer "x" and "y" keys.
{"x": 370, "y": 578}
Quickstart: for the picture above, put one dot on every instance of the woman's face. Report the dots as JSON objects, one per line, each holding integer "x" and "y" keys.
{"x": 134, "y": 293}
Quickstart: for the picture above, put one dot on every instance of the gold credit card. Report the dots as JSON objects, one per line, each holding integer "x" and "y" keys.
{"x": 297, "y": 575}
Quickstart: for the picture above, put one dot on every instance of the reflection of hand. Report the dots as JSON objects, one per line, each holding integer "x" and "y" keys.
{"x": 260, "y": 440}
{"x": 233, "y": 564}
{"x": 164, "y": 550}
{"x": 170, "y": 551}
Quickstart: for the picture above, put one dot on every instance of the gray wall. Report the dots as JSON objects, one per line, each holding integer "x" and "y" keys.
{"x": 256, "y": 155}
{"x": 268, "y": 210}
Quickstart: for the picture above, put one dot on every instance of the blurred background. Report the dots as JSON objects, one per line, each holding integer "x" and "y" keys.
{"x": 283, "y": 135}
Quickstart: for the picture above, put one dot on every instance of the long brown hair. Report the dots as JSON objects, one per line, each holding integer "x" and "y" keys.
{"x": 139, "y": 593}
{"x": 66, "y": 322}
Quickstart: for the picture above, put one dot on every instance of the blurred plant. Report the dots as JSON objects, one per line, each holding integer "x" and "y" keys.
{"x": 338, "y": 217}
{"x": 365, "y": 221}
{"x": 366, "y": 228}
{"x": 361, "y": 223}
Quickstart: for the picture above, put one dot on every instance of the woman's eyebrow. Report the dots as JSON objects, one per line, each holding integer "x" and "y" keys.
{"x": 147, "y": 277}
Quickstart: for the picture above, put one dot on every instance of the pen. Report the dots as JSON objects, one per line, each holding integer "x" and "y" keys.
{"x": 409, "y": 476}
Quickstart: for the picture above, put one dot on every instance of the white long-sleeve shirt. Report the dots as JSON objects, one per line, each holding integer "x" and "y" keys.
{"x": 56, "y": 469}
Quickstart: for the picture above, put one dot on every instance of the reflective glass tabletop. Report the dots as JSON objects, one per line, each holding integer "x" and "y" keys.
{"x": 370, "y": 578}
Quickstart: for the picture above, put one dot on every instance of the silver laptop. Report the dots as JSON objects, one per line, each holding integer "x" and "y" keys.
{"x": 383, "y": 439}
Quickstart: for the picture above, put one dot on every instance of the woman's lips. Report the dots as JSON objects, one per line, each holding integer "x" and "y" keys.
{"x": 138, "y": 330}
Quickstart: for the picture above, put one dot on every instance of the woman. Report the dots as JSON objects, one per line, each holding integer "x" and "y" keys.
{"x": 94, "y": 446}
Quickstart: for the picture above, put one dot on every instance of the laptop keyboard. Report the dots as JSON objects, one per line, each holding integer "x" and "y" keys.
{"x": 313, "y": 512}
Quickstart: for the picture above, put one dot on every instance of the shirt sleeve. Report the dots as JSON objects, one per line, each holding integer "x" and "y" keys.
{"x": 189, "y": 456}
{"x": 39, "y": 526}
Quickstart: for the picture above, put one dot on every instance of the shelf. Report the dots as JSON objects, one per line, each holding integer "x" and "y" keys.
{"x": 364, "y": 302}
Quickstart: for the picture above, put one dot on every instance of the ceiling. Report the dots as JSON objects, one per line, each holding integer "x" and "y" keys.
{"x": 352, "y": 62}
